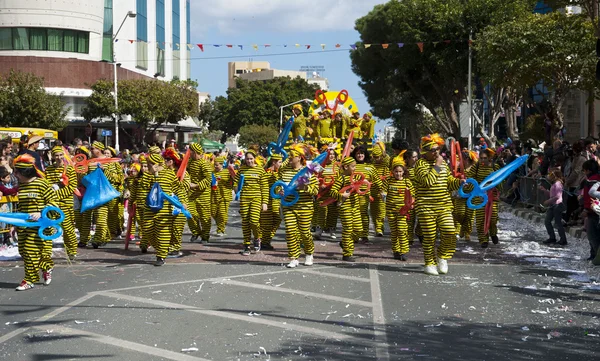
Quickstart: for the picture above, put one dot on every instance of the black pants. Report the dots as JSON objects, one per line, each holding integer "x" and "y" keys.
{"x": 555, "y": 213}
{"x": 572, "y": 204}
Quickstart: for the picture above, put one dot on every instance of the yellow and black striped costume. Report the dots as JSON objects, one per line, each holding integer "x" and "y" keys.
{"x": 271, "y": 219}
{"x": 221, "y": 199}
{"x": 349, "y": 212}
{"x": 36, "y": 253}
{"x": 298, "y": 217}
{"x": 255, "y": 193}
{"x": 463, "y": 215}
{"x": 364, "y": 201}
{"x": 395, "y": 199}
{"x": 434, "y": 208}
{"x": 158, "y": 226}
{"x": 179, "y": 222}
{"x": 479, "y": 172}
{"x": 64, "y": 196}
{"x": 115, "y": 206}
{"x": 327, "y": 216}
{"x": 200, "y": 174}
{"x": 132, "y": 185}
{"x": 378, "y": 205}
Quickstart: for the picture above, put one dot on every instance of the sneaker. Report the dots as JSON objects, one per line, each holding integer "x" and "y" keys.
{"x": 293, "y": 263}
{"x": 550, "y": 241}
{"x": 399, "y": 256}
{"x": 562, "y": 242}
{"x": 204, "y": 241}
{"x": 348, "y": 259}
{"x": 341, "y": 245}
{"x": 267, "y": 247}
{"x": 313, "y": 229}
{"x": 144, "y": 249}
{"x": 72, "y": 257}
{"x": 332, "y": 235}
{"x": 485, "y": 244}
{"x": 159, "y": 262}
{"x": 245, "y": 251}
{"x": 442, "y": 266}
{"x": 257, "y": 245}
{"x": 193, "y": 238}
{"x": 318, "y": 232}
{"x": 175, "y": 254}
{"x": 47, "y": 275}
{"x": 379, "y": 234}
{"x": 495, "y": 239}
{"x": 24, "y": 286}
{"x": 309, "y": 260}
{"x": 81, "y": 244}
{"x": 96, "y": 245}
{"x": 431, "y": 270}
{"x": 219, "y": 234}
{"x": 467, "y": 238}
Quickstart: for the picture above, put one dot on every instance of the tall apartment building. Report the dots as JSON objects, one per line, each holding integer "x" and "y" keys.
{"x": 70, "y": 44}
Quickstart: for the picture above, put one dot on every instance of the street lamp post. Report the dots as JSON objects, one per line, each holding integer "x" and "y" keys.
{"x": 130, "y": 14}
{"x": 307, "y": 101}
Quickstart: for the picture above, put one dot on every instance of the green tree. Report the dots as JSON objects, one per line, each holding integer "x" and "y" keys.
{"x": 555, "y": 50}
{"x": 435, "y": 77}
{"x": 24, "y": 102}
{"x": 257, "y": 134}
{"x": 255, "y": 102}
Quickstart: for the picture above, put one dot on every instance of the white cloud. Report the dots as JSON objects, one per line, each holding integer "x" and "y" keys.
{"x": 232, "y": 17}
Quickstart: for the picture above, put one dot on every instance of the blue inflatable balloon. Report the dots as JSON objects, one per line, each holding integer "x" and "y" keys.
{"x": 156, "y": 198}
{"x": 98, "y": 192}
{"x": 281, "y": 140}
{"x": 291, "y": 189}
{"x": 24, "y": 220}
{"x": 238, "y": 192}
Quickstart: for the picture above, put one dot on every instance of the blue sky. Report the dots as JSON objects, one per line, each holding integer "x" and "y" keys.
{"x": 277, "y": 22}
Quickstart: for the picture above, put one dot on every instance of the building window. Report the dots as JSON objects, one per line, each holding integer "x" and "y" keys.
{"x": 142, "y": 55}
{"x": 160, "y": 61}
{"x": 142, "y": 34}
{"x": 188, "y": 40}
{"x": 160, "y": 37}
{"x": 107, "y": 32}
{"x": 44, "y": 39}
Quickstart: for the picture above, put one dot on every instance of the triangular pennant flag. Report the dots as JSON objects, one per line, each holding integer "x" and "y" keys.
{"x": 435, "y": 43}
{"x": 255, "y": 46}
{"x": 307, "y": 46}
{"x": 285, "y": 45}
{"x": 201, "y": 46}
{"x": 267, "y": 45}
{"x": 190, "y": 46}
{"x": 338, "y": 45}
{"x": 385, "y": 46}
{"x": 216, "y": 45}
{"x": 353, "y": 46}
{"x": 116, "y": 40}
{"x": 297, "y": 45}
{"x": 447, "y": 41}
{"x": 367, "y": 46}
{"x": 229, "y": 46}
{"x": 241, "y": 47}
{"x": 131, "y": 41}
{"x": 420, "y": 45}
{"x": 400, "y": 45}
{"x": 323, "y": 46}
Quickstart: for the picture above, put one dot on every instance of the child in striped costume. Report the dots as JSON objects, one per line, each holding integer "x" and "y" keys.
{"x": 221, "y": 195}
{"x": 396, "y": 189}
{"x": 200, "y": 176}
{"x": 270, "y": 220}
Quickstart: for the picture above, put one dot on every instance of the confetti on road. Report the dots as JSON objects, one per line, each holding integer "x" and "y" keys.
{"x": 199, "y": 288}
{"x": 191, "y": 349}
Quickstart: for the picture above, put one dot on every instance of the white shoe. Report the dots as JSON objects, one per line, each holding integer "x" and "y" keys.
{"x": 442, "y": 266}
{"x": 318, "y": 232}
{"x": 431, "y": 270}
{"x": 293, "y": 263}
{"x": 332, "y": 235}
{"x": 309, "y": 260}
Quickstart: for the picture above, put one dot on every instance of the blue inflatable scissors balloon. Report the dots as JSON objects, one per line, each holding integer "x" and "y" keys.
{"x": 291, "y": 189}
{"x": 238, "y": 192}
{"x": 156, "y": 198}
{"x": 277, "y": 148}
{"x": 490, "y": 182}
{"x": 44, "y": 222}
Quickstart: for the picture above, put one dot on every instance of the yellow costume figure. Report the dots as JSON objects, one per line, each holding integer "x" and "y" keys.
{"x": 299, "y": 126}
{"x": 131, "y": 190}
{"x": 158, "y": 225}
{"x": 270, "y": 220}
{"x": 200, "y": 176}
{"x": 222, "y": 194}
{"x": 367, "y": 126}
{"x": 338, "y": 125}
{"x": 396, "y": 189}
{"x": 79, "y": 217}
{"x": 34, "y": 194}
{"x": 327, "y": 215}
{"x": 253, "y": 200}
{"x": 479, "y": 172}
{"x": 410, "y": 158}
{"x": 463, "y": 215}
{"x": 433, "y": 182}
{"x": 363, "y": 166}
{"x": 63, "y": 180}
{"x": 353, "y": 124}
{"x": 173, "y": 162}
{"x": 378, "y": 205}
{"x": 348, "y": 209}
{"x": 140, "y": 200}
{"x": 298, "y": 217}
{"x": 325, "y": 128}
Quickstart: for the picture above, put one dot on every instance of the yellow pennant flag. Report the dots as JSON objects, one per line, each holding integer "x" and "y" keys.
{"x": 367, "y": 46}
{"x": 255, "y": 46}
{"x": 323, "y": 46}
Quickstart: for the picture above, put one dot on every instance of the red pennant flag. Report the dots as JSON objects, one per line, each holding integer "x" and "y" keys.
{"x": 447, "y": 41}
{"x": 201, "y": 46}
{"x": 267, "y": 45}
{"x": 385, "y": 46}
{"x": 308, "y": 47}
{"x": 420, "y": 45}
{"x": 131, "y": 41}
{"x": 338, "y": 45}
{"x": 229, "y": 46}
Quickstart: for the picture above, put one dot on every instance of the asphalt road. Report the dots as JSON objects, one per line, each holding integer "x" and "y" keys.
{"x": 218, "y": 305}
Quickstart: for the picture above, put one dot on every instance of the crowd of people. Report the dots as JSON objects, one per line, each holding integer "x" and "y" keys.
{"x": 362, "y": 186}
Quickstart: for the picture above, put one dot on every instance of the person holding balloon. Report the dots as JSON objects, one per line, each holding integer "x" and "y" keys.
{"x": 221, "y": 194}
{"x": 364, "y": 166}
{"x": 173, "y": 162}
{"x": 35, "y": 193}
{"x": 270, "y": 219}
{"x": 433, "y": 183}
{"x": 398, "y": 194}
{"x": 382, "y": 170}
{"x": 463, "y": 215}
{"x": 200, "y": 176}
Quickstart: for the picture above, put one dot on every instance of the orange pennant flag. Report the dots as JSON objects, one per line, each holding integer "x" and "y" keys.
{"x": 385, "y": 46}
{"x": 338, "y": 45}
{"x": 420, "y": 45}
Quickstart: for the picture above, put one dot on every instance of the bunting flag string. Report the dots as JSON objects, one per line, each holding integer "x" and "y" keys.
{"x": 421, "y": 46}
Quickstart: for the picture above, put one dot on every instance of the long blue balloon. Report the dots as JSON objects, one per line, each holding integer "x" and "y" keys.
{"x": 24, "y": 220}
{"x": 491, "y": 181}
{"x": 281, "y": 140}
{"x": 291, "y": 188}
{"x": 238, "y": 192}
{"x": 177, "y": 205}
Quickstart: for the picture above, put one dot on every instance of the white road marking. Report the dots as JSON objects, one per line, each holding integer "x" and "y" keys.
{"x": 334, "y": 275}
{"x": 381, "y": 348}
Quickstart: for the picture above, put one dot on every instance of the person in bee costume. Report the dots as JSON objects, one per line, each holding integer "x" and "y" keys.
{"x": 299, "y": 126}
{"x": 200, "y": 176}
{"x": 158, "y": 226}
{"x": 173, "y": 162}
{"x": 270, "y": 220}
{"x": 34, "y": 195}
{"x": 349, "y": 208}
{"x": 463, "y": 215}
{"x": 433, "y": 184}
{"x": 396, "y": 189}
{"x": 479, "y": 172}
{"x": 298, "y": 216}
{"x": 327, "y": 216}
{"x": 254, "y": 198}
{"x": 131, "y": 189}
{"x": 63, "y": 180}
{"x": 382, "y": 170}
{"x": 221, "y": 195}
{"x": 115, "y": 206}
{"x": 364, "y": 166}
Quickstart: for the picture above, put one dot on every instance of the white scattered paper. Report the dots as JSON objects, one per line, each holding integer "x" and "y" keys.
{"x": 159, "y": 291}
{"x": 199, "y": 288}
{"x": 191, "y": 349}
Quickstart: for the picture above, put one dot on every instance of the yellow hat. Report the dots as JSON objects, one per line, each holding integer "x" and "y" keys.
{"x": 196, "y": 147}
{"x": 57, "y": 149}
{"x": 154, "y": 150}
{"x": 26, "y": 161}
{"x": 348, "y": 161}
{"x": 276, "y": 156}
{"x": 297, "y": 106}
{"x": 136, "y": 166}
{"x": 84, "y": 150}
{"x": 376, "y": 151}
{"x": 220, "y": 159}
{"x": 112, "y": 151}
{"x": 431, "y": 140}
{"x": 155, "y": 159}
{"x": 96, "y": 144}
{"x": 398, "y": 160}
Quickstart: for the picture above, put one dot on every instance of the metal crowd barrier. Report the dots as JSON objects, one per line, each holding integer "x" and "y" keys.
{"x": 529, "y": 193}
